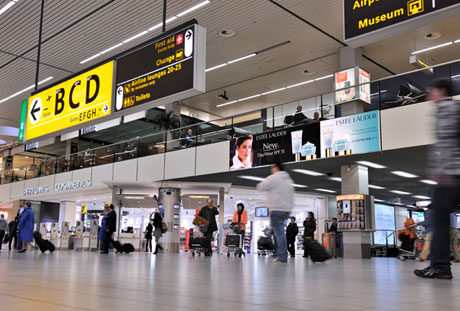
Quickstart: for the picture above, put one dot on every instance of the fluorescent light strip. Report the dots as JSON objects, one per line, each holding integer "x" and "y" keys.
{"x": 299, "y": 186}
{"x": 308, "y": 172}
{"x": 252, "y": 178}
{"x": 404, "y": 174}
{"x": 241, "y": 58}
{"x": 421, "y": 197}
{"x": 376, "y": 187}
{"x": 157, "y": 26}
{"x": 429, "y": 182}
{"x": 7, "y": 6}
{"x": 371, "y": 164}
{"x": 434, "y": 47}
{"x": 216, "y": 67}
{"x": 225, "y": 104}
{"x": 277, "y": 90}
{"x": 378, "y": 200}
{"x": 400, "y": 192}
{"x": 457, "y": 41}
{"x": 325, "y": 190}
{"x": 338, "y": 179}
{"x": 25, "y": 90}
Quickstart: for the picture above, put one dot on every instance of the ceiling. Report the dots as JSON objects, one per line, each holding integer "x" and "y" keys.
{"x": 411, "y": 160}
{"x": 76, "y": 30}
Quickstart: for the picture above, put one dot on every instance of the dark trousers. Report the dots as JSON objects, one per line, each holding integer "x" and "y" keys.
{"x": 291, "y": 246}
{"x": 106, "y": 241}
{"x": 209, "y": 236}
{"x": 15, "y": 237}
{"x": 2, "y": 235}
{"x": 444, "y": 200}
{"x": 305, "y": 249}
{"x": 148, "y": 244}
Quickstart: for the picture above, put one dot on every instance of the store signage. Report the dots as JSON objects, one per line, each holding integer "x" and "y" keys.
{"x": 350, "y": 197}
{"x": 167, "y": 70}
{"x": 81, "y": 99}
{"x": 287, "y": 145}
{"x": 352, "y": 84}
{"x": 22, "y": 124}
{"x": 350, "y": 135}
{"x": 36, "y": 190}
{"x": 31, "y": 146}
{"x": 83, "y": 209}
{"x": 88, "y": 130}
{"x": 362, "y": 18}
{"x": 71, "y": 185}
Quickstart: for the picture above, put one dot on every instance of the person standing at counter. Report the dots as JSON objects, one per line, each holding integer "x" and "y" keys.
{"x": 280, "y": 201}
{"x": 26, "y": 228}
{"x": 148, "y": 237}
{"x": 158, "y": 233}
{"x": 209, "y": 213}
{"x": 309, "y": 226}
{"x": 240, "y": 217}
{"x": 110, "y": 228}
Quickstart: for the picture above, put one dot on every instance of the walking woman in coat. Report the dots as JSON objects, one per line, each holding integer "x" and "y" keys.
{"x": 26, "y": 228}
{"x": 157, "y": 233}
{"x": 309, "y": 226}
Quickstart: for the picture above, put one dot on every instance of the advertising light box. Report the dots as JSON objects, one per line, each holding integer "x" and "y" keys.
{"x": 364, "y": 18}
{"x": 78, "y": 100}
{"x": 384, "y": 220}
{"x": 166, "y": 70}
{"x": 350, "y": 135}
{"x": 287, "y": 145}
{"x": 352, "y": 84}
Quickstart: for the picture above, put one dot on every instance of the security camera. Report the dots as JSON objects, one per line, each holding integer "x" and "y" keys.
{"x": 329, "y": 174}
{"x": 223, "y": 96}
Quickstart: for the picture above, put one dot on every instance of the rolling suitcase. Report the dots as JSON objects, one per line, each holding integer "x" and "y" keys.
{"x": 43, "y": 245}
{"x": 128, "y": 248}
{"x": 232, "y": 240}
{"x": 316, "y": 252}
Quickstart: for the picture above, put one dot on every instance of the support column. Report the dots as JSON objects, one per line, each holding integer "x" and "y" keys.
{"x": 170, "y": 199}
{"x": 67, "y": 213}
{"x": 356, "y": 242}
{"x": 221, "y": 206}
{"x": 117, "y": 207}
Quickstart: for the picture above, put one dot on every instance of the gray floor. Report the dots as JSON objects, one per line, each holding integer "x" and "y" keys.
{"x": 87, "y": 281}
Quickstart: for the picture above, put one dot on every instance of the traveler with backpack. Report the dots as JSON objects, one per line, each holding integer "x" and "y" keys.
{"x": 158, "y": 232}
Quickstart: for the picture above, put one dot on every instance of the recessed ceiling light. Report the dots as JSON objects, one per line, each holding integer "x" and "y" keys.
{"x": 325, "y": 190}
{"x": 375, "y": 187}
{"x": 371, "y": 164}
{"x": 400, "y": 192}
{"x": 432, "y": 35}
{"x": 308, "y": 172}
{"x": 404, "y": 174}
{"x": 336, "y": 179}
{"x": 308, "y": 72}
{"x": 228, "y": 33}
{"x": 421, "y": 197}
{"x": 252, "y": 178}
{"x": 429, "y": 182}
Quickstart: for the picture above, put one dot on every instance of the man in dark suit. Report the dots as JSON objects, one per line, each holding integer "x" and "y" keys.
{"x": 291, "y": 233}
{"x": 110, "y": 228}
{"x": 209, "y": 213}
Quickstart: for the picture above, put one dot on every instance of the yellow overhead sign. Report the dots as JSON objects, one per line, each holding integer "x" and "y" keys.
{"x": 80, "y": 99}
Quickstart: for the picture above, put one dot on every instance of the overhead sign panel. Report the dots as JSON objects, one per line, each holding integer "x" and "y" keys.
{"x": 169, "y": 69}
{"x": 83, "y": 98}
{"x": 367, "y": 21}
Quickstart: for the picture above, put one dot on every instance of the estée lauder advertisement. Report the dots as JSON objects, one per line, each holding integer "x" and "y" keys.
{"x": 286, "y": 145}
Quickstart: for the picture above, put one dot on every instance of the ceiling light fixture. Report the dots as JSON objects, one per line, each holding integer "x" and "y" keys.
{"x": 404, "y": 174}
{"x": 371, "y": 164}
{"x": 25, "y": 90}
{"x": 157, "y": 26}
{"x": 429, "y": 182}
{"x": 335, "y": 179}
{"x": 400, "y": 192}
{"x": 277, "y": 90}
{"x": 378, "y": 200}
{"x": 216, "y": 67}
{"x": 376, "y": 187}
{"x": 242, "y": 58}
{"x": 252, "y": 178}
{"x": 7, "y": 6}
{"x": 435, "y": 47}
{"x": 299, "y": 186}
{"x": 421, "y": 197}
{"x": 308, "y": 172}
{"x": 325, "y": 190}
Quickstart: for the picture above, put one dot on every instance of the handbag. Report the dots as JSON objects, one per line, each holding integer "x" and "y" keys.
{"x": 164, "y": 227}
{"x": 6, "y": 239}
{"x": 200, "y": 221}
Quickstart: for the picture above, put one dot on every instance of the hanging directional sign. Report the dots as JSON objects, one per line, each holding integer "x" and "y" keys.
{"x": 78, "y": 100}
{"x": 366, "y": 21}
{"x": 166, "y": 70}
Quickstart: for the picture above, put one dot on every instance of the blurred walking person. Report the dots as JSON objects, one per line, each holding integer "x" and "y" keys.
{"x": 309, "y": 227}
{"x": 3, "y": 229}
{"x": 291, "y": 233}
{"x": 428, "y": 224}
{"x": 158, "y": 232}
{"x": 110, "y": 228}
{"x": 13, "y": 233}
{"x": 148, "y": 237}
{"x": 280, "y": 201}
{"x": 26, "y": 228}
{"x": 444, "y": 168}
{"x": 454, "y": 237}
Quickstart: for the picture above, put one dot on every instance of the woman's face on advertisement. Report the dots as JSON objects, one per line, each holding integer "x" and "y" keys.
{"x": 244, "y": 151}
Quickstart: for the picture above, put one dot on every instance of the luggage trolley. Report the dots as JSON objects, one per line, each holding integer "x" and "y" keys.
{"x": 234, "y": 242}
{"x": 265, "y": 244}
{"x": 198, "y": 242}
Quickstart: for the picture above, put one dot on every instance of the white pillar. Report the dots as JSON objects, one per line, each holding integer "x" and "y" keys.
{"x": 67, "y": 212}
{"x": 355, "y": 179}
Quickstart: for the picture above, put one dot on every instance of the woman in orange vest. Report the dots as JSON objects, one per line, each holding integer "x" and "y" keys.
{"x": 240, "y": 217}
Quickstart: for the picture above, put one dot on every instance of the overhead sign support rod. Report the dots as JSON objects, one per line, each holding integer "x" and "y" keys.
{"x": 164, "y": 15}
{"x": 39, "y": 44}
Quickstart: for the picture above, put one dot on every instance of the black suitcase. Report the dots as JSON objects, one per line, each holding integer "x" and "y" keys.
{"x": 43, "y": 245}
{"x": 265, "y": 243}
{"x": 118, "y": 247}
{"x": 204, "y": 242}
{"x": 232, "y": 240}
{"x": 49, "y": 246}
{"x": 128, "y": 248}
{"x": 316, "y": 252}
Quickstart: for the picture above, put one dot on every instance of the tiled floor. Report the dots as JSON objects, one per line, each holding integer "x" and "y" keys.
{"x": 87, "y": 281}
